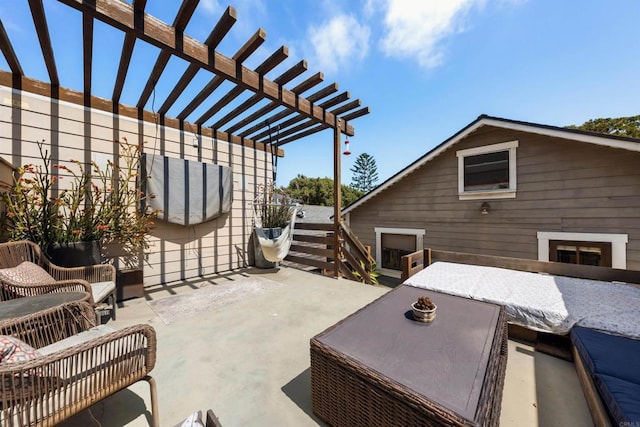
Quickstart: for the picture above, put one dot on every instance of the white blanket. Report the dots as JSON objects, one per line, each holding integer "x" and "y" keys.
{"x": 539, "y": 301}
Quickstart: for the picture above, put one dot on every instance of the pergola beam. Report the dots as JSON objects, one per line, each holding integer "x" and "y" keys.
{"x": 42, "y": 29}
{"x": 213, "y": 40}
{"x": 269, "y": 64}
{"x": 121, "y": 15}
{"x": 243, "y": 53}
{"x": 8, "y": 52}
{"x": 179, "y": 24}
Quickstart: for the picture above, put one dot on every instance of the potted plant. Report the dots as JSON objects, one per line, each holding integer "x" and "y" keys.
{"x": 273, "y": 212}
{"x": 424, "y": 310}
{"x": 274, "y": 218}
{"x": 92, "y": 210}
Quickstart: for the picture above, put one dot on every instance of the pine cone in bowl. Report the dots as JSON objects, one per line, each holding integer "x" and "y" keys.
{"x": 424, "y": 303}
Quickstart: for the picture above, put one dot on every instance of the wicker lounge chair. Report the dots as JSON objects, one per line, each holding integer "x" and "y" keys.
{"x": 78, "y": 365}
{"x": 97, "y": 280}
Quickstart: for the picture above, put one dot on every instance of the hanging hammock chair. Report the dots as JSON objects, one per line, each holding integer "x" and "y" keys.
{"x": 274, "y": 248}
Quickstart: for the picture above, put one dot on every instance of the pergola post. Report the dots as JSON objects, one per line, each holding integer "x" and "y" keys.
{"x": 337, "y": 198}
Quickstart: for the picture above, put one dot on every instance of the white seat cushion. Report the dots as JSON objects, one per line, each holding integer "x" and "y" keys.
{"x": 101, "y": 290}
{"x": 82, "y": 337}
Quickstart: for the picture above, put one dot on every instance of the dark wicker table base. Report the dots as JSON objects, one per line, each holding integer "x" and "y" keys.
{"x": 346, "y": 393}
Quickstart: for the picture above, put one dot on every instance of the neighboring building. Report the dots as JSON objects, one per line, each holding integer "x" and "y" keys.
{"x": 315, "y": 214}
{"x": 510, "y": 188}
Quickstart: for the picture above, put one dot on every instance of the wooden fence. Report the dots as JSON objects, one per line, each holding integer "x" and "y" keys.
{"x": 313, "y": 247}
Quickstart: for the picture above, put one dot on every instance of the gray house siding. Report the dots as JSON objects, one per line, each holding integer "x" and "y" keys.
{"x": 562, "y": 186}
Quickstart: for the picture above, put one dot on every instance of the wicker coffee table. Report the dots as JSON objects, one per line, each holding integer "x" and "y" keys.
{"x": 380, "y": 367}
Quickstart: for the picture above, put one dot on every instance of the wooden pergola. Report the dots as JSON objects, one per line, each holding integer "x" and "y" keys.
{"x": 294, "y": 114}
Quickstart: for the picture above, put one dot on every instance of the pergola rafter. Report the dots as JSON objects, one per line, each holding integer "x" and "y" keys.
{"x": 302, "y": 87}
{"x": 289, "y": 127}
{"x": 121, "y": 15}
{"x": 183, "y": 16}
{"x": 125, "y": 56}
{"x": 42, "y": 29}
{"x": 172, "y": 41}
{"x": 243, "y": 53}
{"x": 269, "y": 64}
{"x": 272, "y": 120}
{"x": 278, "y": 116}
{"x": 87, "y": 54}
{"x": 284, "y": 78}
{"x": 9, "y": 53}
{"x": 213, "y": 40}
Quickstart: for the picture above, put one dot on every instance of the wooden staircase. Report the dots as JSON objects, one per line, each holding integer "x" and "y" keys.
{"x": 313, "y": 247}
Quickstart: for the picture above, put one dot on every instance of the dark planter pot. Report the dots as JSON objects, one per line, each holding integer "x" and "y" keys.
{"x": 76, "y": 254}
{"x": 273, "y": 233}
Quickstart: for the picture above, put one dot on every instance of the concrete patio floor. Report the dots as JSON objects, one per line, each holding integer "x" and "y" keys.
{"x": 249, "y": 360}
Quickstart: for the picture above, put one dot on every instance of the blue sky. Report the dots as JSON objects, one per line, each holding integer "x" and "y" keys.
{"x": 425, "y": 68}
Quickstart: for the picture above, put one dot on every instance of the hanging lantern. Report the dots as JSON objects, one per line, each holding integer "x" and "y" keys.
{"x": 346, "y": 148}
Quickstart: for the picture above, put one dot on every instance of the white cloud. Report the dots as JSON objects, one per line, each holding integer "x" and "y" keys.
{"x": 416, "y": 29}
{"x": 210, "y": 6}
{"x": 338, "y": 41}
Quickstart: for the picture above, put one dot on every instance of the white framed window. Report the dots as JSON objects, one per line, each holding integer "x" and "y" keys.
{"x": 567, "y": 243}
{"x": 487, "y": 172}
{"x": 392, "y": 244}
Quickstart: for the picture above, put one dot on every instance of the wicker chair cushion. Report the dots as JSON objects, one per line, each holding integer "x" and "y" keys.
{"x": 82, "y": 337}
{"x": 101, "y": 290}
{"x": 12, "y": 350}
{"x": 27, "y": 273}
{"x": 27, "y": 383}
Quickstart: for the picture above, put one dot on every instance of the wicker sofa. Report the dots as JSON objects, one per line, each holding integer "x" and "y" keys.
{"x": 77, "y": 364}
{"x": 97, "y": 280}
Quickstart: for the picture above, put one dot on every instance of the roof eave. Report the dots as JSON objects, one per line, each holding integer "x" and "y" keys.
{"x": 624, "y": 143}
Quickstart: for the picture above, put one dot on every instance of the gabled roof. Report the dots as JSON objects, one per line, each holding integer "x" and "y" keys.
{"x": 631, "y": 144}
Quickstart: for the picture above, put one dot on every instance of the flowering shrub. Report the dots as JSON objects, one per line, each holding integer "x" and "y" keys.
{"x": 100, "y": 204}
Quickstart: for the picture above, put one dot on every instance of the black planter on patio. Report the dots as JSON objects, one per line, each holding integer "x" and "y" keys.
{"x": 75, "y": 254}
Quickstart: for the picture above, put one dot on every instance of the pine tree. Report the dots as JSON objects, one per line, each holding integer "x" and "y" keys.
{"x": 619, "y": 126}
{"x": 365, "y": 173}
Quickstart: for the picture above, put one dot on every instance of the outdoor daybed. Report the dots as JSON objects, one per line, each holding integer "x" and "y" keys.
{"x": 601, "y": 316}
{"x": 540, "y": 302}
